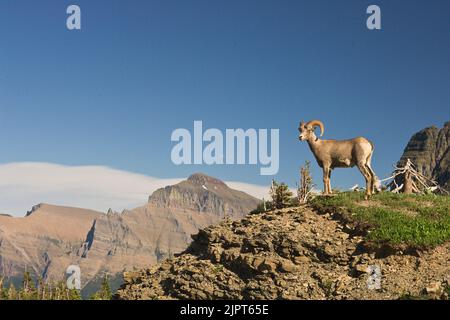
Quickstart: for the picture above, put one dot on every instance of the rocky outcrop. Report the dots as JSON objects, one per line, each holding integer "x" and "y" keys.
{"x": 293, "y": 253}
{"x": 51, "y": 238}
{"x": 429, "y": 151}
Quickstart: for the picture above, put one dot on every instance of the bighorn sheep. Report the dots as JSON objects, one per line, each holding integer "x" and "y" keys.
{"x": 332, "y": 154}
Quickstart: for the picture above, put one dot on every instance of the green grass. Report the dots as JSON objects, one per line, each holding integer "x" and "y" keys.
{"x": 414, "y": 220}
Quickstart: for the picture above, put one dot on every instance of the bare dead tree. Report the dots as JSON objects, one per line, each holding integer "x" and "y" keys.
{"x": 306, "y": 185}
{"x": 412, "y": 181}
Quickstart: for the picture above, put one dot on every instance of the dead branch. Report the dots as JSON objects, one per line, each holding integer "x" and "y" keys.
{"x": 413, "y": 181}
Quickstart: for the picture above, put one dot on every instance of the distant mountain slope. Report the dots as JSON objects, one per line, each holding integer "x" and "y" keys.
{"x": 429, "y": 150}
{"x": 43, "y": 240}
{"x": 50, "y": 238}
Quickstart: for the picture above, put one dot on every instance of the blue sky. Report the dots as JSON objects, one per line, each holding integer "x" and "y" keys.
{"x": 112, "y": 93}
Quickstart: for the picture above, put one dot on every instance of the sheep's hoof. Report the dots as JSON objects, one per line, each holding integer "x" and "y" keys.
{"x": 329, "y": 194}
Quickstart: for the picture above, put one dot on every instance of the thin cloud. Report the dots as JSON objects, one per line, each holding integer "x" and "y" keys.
{"x": 25, "y": 184}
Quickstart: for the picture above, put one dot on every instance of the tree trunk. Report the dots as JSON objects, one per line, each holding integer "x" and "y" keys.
{"x": 408, "y": 183}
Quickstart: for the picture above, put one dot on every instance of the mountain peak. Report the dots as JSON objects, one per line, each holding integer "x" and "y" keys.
{"x": 201, "y": 179}
{"x": 429, "y": 150}
{"x": 202, "y": 193}
{"x": 34, "y": 209}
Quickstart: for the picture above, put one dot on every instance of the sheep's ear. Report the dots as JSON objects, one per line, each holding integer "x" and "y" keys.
{"x": 301, "y": 126}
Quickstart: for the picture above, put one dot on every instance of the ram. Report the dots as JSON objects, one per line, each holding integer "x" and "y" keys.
{"x": 332, "y": 154}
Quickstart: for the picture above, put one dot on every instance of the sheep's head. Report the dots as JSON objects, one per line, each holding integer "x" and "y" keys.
{"x": 307, "y": 130}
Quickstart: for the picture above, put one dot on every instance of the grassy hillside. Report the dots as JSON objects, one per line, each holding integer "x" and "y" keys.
{"x": 413, "y": 220}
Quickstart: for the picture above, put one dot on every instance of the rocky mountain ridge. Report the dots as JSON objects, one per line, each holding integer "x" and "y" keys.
{"x": 294, "y": 253}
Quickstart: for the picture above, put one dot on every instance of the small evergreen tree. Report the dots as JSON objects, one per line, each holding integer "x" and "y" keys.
{"x": 28, "y": 291}
{"x": 280, "y": 194}
{"x": 262, "y": 207}
{"x": 105, "y": 292}
{"x": 74, "y": 294}
{"x": 43, "y": 291}
{"x": 59, "y": 292}
{"x": 3, "y": 291}
{"x": 12, "y": 293}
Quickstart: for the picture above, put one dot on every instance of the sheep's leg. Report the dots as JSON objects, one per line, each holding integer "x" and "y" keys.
{"x": 329, "y": 181}
{"x": 365, "y": 172}
{"x": 326, "y": 180}
{"x": 373, "y": 178}
{"x": 372, "y": 173}
{"x": 325, "y": 189}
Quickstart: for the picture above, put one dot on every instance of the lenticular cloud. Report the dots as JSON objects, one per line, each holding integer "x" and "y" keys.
{"x": 25, "y": 184}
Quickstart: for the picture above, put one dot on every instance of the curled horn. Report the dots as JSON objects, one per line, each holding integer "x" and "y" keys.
{"x": 317, "y": 123}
